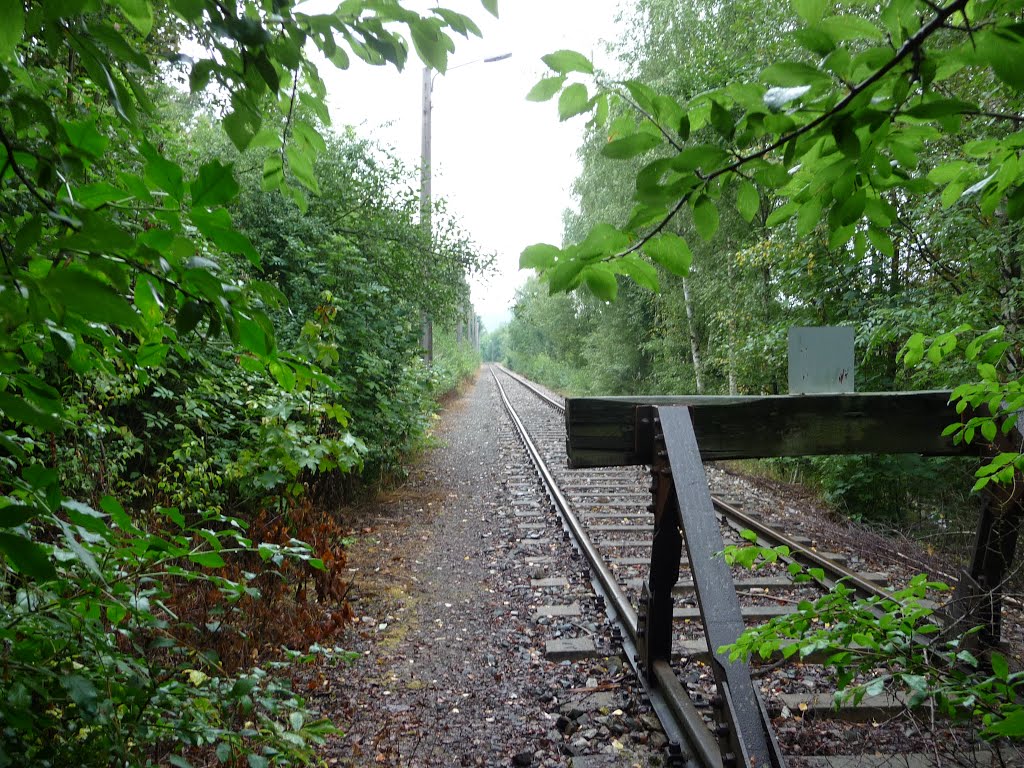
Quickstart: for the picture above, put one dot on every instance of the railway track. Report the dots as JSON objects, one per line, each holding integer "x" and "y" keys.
{"x": 608, "y": 514}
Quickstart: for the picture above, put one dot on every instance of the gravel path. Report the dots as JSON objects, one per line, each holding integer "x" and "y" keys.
{"x": 451, "y": 668}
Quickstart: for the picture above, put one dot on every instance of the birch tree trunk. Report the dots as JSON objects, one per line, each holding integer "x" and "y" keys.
{"x": 694, "y": 348}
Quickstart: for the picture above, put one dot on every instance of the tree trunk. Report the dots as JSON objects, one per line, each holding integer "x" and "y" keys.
{"x": 694, "y": 347}
{"x": 1009, "y": 309}
{"x": 731, "y": 328}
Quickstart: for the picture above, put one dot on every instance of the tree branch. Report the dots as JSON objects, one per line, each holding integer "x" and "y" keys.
{"x": 19, "y": 171}
{"x": 911, "y": 46}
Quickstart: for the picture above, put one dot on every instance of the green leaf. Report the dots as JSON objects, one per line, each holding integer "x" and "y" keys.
{"x": 458, "y": 22}
{"x": 875, "y": 687}
{"x": 546, "y": 88}
{"x": 603, "y": 240}
{"x": 1015, "y": 204}
{"x": 431, "y": 43}
{"x": 704, "y": 156}
{"x": 1011, "y": 726}
{"x": 793, "y": 73}
{"x": 844, "y": 133}
{"x": 988, "y": 372}
{"x": 151, "y": 355}
{"x": 846, "y": 27}
{"x": 139, "y": 13}
{"x": 301, "y": 164}
{"x": 491, "y": 6}
{"x": 284, "y": 374}
{"x": 573, "y": 101}
{"x": 810, "y": 11}
{"x": 188, "y": 317}
{"x": 640, "y": 271}
{"x": 630, "y": 146}
{"x": 748, "y": 201}
{"x": 809, "y": 217}
{"x": 14, "y": 515}
{"x": 722, "y": 121}
{"x": 256, "y": 333}
{"x": 1003, "y": 49}
{"x": 147, "y": 299}
{"x": 214, "y": 185}
{"x": 81, "y": 691}
{"x": 564, "y": 275}
{"x": 565, "y": 61}
{"x": 642, "y": 94}
{"x": 1000, "y": 667}
{"x": 112, "y": 507}
{"x": 207, "y": 559}
{"x": 99, "y": 194}
{"x": 20, "y": 410}
{"x": 273, "y": 172}
{"x": 600, "y": 279}
{"x": 705, "y": 217}
{"x": 84, "y": 294}
{"x": 84, "y": 137}
{"x": 940, "y": 108}
{"x": 217, "y": 227}
{"x": 13, "y": 27}
{"x": 539, "y": 256}
{"x": 951, "y": 171}
{"x": 881, "y": 241}
{"x": 241, "y": 126}
{"x": 84, "y": 516}
{"x": 165, "y": 174}
{"x": 671, "y": 252}
{"x": 27, "y": 557}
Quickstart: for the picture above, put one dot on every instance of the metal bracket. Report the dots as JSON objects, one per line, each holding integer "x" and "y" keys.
{"x": 666, "y": 551}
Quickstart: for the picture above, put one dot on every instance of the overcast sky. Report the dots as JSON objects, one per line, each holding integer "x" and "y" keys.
{"x": 505, "y": 165}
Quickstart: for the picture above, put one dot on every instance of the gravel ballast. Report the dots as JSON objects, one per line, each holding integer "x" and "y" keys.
{"x": 454, "y": 576}
{"x": 478, "y": 640}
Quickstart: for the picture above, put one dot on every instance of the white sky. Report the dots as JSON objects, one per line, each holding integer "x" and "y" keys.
{"x": 504, "y": 165}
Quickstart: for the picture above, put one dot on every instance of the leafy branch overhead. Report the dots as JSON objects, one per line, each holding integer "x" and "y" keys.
{"x": 832, "y": 135}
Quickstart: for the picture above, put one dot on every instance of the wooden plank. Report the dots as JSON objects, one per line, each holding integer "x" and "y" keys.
{"x": 605, "y": 431}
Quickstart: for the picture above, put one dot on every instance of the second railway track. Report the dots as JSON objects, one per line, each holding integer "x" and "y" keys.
{"x": 608, "y": 514}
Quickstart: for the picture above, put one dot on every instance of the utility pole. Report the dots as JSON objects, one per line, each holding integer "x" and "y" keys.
{"x": 426, "y": 173}
{"x": 427, "y": 333}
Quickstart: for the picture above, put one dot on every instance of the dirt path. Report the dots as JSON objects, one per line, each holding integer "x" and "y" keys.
{"x": 451, "y": 670}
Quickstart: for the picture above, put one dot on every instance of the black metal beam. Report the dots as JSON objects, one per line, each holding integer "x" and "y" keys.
{"x": 748, "y": 731}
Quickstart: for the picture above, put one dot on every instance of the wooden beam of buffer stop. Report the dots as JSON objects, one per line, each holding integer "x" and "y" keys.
{"x": 618, "y": 431}
{"x": 674, "y": 435}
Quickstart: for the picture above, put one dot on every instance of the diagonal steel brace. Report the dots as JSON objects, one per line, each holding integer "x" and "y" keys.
{"x": 746, "y": 735}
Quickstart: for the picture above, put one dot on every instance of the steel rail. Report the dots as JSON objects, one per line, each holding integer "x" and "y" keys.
{"x": 834, "y": 573}
{"x": 798, "y": 552}
{"x": 683, "y": 723}
{"x": 802, "y": 554}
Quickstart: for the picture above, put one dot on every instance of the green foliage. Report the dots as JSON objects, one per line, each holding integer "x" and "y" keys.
{"x": 994, "y": 404}
{"x": 455, "y": 362}
{"x": 886, "y": 645}
{"x": 150, "y": 411}
{"x": 845, "y": 110}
